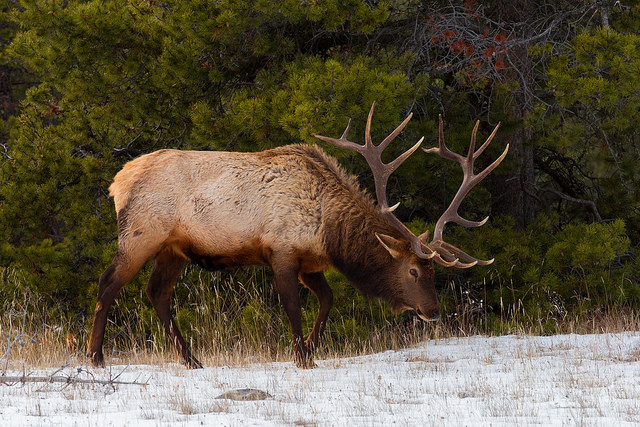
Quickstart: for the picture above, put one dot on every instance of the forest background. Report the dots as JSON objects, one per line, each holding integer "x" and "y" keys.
{"x": 86, "y": 86}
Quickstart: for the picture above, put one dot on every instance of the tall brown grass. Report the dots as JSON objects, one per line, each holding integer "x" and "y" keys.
{"x": 221, "y": 331}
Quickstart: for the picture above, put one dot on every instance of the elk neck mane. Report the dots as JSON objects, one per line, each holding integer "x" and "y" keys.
{"x": 350, "y": 220}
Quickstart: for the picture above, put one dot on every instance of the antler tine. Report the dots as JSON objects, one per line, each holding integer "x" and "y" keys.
{"x": 438, "y": 258}
{"x": 446, "y": 250}
{"x": 368, "y": 142}
{"x": 404, "y": 156}
{"x": 492, "y": 166}
{"x": 381, "y": 172}
{"x": 395, "y": 133}
{"x": 472, "y": 145}
{"x": 346, "y": 131}
{"x": 342, "y": 142}
{"x": 487, "y": 142}
{"x": 442, "y": 150}
{"x": 442, "y": 255}
{"x": 469, "y": 180}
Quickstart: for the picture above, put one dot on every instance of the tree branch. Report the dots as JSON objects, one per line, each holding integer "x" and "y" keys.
{"x": 8, "y": 379}
{"x": 589, "y": 203}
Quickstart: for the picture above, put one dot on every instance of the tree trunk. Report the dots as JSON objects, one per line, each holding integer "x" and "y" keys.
{"x": 7, "y": 103}
{"x": 512, "y": 188}
{"x": 511, "y": 185}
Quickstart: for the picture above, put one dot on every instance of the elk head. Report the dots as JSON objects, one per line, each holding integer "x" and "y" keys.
{"x": 413, "y": 256}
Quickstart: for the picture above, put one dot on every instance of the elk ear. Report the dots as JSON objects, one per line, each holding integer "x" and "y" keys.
{"x": 390, "y": 244}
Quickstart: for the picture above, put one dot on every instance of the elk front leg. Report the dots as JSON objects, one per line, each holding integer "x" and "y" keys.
{"x": 165, "y": 273}
{"x": 286, "y": 282}
{"x": 317, "y": 283}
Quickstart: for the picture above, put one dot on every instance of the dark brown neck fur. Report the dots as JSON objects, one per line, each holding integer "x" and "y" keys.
{"x": 350, "y": 221}
{"x": 355, "y": 251}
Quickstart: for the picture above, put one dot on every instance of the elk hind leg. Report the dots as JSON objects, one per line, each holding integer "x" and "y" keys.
{"x": 118, "y": 274}
{"x": 165, "y": 273}
{"x": 317, "y": 283}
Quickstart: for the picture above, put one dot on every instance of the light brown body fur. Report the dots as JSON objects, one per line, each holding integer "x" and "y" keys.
{"x": 291, "y": 208}
{"x": 225, "y": 206}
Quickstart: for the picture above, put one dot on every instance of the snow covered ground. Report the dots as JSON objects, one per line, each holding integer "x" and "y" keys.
{"x": 511, "y": 380}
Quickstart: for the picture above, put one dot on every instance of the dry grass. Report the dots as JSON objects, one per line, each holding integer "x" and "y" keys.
{"x": 29, "y": 344}
{"x": 221, "y": 334}
{"x": 470, "y": 381}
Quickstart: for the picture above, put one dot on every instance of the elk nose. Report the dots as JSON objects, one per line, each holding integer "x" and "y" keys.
{"x": 430, "y": 315}
{"x": 434, "y": 314}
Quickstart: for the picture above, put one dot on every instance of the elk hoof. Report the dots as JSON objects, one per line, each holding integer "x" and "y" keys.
{"x": 193, "y": 363}
{"x": 306, "y": 363}
{"x": 97, "y": 361}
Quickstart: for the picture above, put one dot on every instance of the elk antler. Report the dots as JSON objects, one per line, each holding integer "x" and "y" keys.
{"x": 444, "y": 249}
{"x": 381, "y": 173}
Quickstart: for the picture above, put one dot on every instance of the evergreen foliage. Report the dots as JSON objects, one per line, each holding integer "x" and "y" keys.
{"x": 589, "y": 140}
{"x": 112, "y": 80}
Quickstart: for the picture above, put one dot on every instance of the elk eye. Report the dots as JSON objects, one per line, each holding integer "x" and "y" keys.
{"x": 414, "y": 272}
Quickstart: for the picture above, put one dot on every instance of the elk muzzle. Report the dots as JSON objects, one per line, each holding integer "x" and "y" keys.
{"x": 430, "y": 314}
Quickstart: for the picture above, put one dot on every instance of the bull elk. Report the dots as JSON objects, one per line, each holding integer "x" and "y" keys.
{"x": 291, "y": 208}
